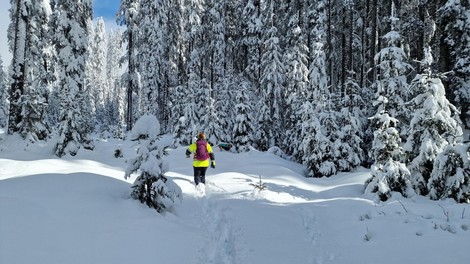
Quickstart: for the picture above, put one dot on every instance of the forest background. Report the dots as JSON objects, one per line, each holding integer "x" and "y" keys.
{"x": 321, "y": 82}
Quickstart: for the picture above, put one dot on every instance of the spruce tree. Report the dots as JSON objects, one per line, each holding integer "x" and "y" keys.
{"x": 317, "y": 145}
{"x": 388, "y": 173}
{"x": 271, "y": 84}
{"x": 296, "y": 79}
{"x": 128, "y": 15}
{"x": 3, "y": 97}
{"x": 347, "y": 146}
{"x": 151, "y": 186}
{"x": 454, "y": 17}
{"x": 115, "y": 99}
{"x": 252, "y": 31}
{"x": 392, "y": 80}
{"x": 96, "y": 86}
{"x": 434, "y": 125}
{"x": 29, "y": 35}
{"x": 211, "y": 126}
{"x": 152, "y": 54}
{"x": 450, "y": 177}
{"x": 17, "y": 36}
{"x": 72, "y": 18}
{"x": 243, "y": 125}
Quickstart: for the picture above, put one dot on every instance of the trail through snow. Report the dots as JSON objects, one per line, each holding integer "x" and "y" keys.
{"x": 78, "y": 210}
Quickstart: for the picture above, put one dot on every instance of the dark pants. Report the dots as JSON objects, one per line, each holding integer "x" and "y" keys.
{"x": 200, "y": 175}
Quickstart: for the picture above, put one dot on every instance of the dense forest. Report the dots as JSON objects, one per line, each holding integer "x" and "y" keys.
{"x": 331, "y": 84}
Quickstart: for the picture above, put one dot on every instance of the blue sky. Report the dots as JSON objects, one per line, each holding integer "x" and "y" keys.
{"x": 104, "y": 8}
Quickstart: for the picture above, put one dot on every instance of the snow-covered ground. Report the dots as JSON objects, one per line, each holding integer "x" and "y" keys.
{"x": 78, "y": 210}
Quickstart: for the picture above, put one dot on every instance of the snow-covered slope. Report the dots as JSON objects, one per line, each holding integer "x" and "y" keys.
{"x": 78, "y": 210}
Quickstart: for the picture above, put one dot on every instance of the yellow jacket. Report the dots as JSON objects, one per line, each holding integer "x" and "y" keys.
{"x": 201, "y": 163}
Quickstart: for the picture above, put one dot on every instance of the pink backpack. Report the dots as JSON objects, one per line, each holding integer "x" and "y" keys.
{"x": 201, "y": 150}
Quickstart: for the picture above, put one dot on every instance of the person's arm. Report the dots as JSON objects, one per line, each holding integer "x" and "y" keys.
{"x": 190, "y": 150}
{"x": 211, "y": 155}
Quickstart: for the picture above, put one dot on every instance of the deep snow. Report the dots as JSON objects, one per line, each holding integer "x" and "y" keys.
{"x": 78, "y": 210}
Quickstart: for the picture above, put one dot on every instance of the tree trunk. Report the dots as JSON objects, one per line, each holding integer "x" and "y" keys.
{"x": 18, "y": 65}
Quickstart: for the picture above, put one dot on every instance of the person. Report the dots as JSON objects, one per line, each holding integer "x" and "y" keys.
{"x": 225, "y": 146}
{"x": 203, "y": 157}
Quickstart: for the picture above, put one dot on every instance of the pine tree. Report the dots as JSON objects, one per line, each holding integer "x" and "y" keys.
{"x": 264, "y": 134}
{"x": 29, "y": 91}
{"x": 152, "y": 54}
{"x": 96, "y": 86}
{"x": 318, "y": 79}
{"x": 311, "y": 139}
{"x": 71, "y": 32}
{"x": 434, "y": 125}
{"x": 317, "y": 127}
{"x": 185, "y": 116}
{"x": 217, "y": 46}
{"x": 224, "y": 107}
{"x": 176, "y": 48}
{"x": 450, "y": 177}
{"x": 211, "y": 124}
{"x": 3, "y": 97}
{"x": 115, "y": 100}
{"x": 347, "y": 146}
{"x": 128, "y": 15}
{"x": 295, "y": 93}
{"x": 151, "y": 187}
{"x": 388, "y": 173}
{"x": 271, "y": 84}
{"x": 252, "y": 32}
{"x": 17, "y": 36}
{"x": 243, "y": 126}
{"x": 392, "y": 81}
{"x": 455, "y": 20}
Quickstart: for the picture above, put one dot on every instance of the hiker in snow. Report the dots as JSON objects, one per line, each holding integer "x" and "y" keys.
{"x": 224, "y": 146}
{"x": 202, "y": 153}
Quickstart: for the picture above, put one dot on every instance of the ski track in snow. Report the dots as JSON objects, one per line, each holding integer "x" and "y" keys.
{"x": 217, "y": 222}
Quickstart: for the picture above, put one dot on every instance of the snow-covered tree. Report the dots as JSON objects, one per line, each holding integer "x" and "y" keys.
{"x": 115, "y": 97}
{"x": 455, "y": 17}
{"x": 128, "y": 15}
{"x": 30, "y": 43}
{"x": 318, "y": 79}
{"x": 217, "y": 46}
{"x": 211, "y": 123}
{"x": 152, "y": 54}
{"x": 243, "y": 125}
{"x": 450, "y": 177}
{"x": 151, "y": 186}
{"x": 96, "y": 85}
{"x": 434, "y": 125}
{"x": 3, "y": 96}
{"x": 194, "y": 31}
{"x": 72, "y": 17}
{"x": 224, "y": 107}
{"x": 318, "y": 145}
{"x": 271, "y": 85}
{"x": 312, "y": 139}
{"x": 252, "y": 26}
{"x": 17, "y": 36}
{"x": 296, "y": 79}
{"x": 388, "y": 173}
{"x": 347, "y": 145}
{"x": 185, "y": 116}
{"x": 392, "y": 80}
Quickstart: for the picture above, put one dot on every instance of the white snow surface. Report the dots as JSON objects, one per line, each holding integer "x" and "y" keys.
{"x": 78, "y": 210}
